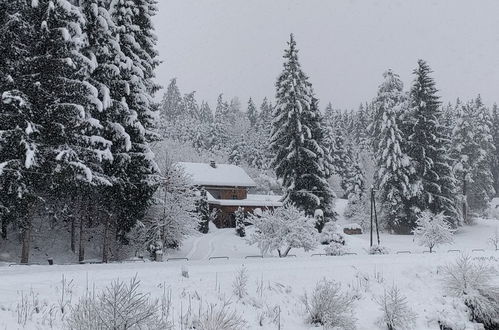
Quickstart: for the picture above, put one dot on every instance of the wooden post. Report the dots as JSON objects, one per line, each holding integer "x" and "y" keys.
{"x": 372, "y": 192}
{"x": 465, "y": 202}
{"x": 375, "y": 216}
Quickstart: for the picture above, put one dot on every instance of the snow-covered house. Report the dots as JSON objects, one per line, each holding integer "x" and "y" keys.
{"x": 227, "y": 189}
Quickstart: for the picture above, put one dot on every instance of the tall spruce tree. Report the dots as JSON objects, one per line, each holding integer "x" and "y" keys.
{"x": 252, "y": 113}
{"x": 136, "y": 39}
{"x": 495, "y": 156}
{"x": 205, "y": 114}
{"x": 20, "y": 150}
{"x": 297, "y": 139}
{"x": 171, "y": 106}
{"x": 482, "y": 187}
{"x": 265, "y": 117}
{"x": 429, "y": 150}
{"x": 473, "y": 151}
{"x": 394, "y": 166}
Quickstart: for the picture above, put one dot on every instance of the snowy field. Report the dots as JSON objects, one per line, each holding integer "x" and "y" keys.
{"x": 32, "y": 297}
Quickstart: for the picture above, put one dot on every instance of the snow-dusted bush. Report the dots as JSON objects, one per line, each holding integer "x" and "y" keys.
{"x": 494, "y": 239}
{"x": 283, "y": 229}
{"x": 331, "y": 233}
{"x": 397, "y": 315}
{"x": 173, "y": 218}
{"x": 359, "y": 212}
{"x": 472, "y": 282}
{"x": 378, "y": 249}
{"x": 329, "y": 306}
{"x": 221, "y": 318}
{"x": 320, "y": 221}
{"x": 118, "y": 306}
{"x": 451, "y": 314}
{"x": 240, "y": 227}
{"x": 239, "y": 286}
{"x": 432, "y": 230}
{"x": 335, "y": 249}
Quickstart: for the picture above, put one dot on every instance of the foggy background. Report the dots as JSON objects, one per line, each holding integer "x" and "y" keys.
{"x": 235, "y": 47}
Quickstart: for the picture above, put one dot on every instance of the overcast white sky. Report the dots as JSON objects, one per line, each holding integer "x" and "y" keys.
{"x": 235, "y": 47}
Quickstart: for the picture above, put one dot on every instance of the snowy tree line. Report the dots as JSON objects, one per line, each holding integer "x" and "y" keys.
{"x": 418, "y": 154}
{"x": 78, "y": 121}
{"x": 77, "y": 116}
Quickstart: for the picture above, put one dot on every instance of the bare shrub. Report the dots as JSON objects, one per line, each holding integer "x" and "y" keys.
{"x": 118, "y": 306}
{"x": 239, "y": 286}
{"x": 221, "y": 318}
{"x": 494, "y": 239}
{"x": 472, "y": 282}
{"x": 396, "y": 312}
{"x": 27, "y": 306}
{"x": 329, "y": 306}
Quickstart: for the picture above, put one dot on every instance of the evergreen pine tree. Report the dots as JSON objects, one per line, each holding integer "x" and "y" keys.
{"x": 203, "y": 210}
{"x": 297, "y": 139}
{"x": 428, "y": 148}
{"x": 482, "y": 187}
{"x": 495, "y": 138}
{"x": 265, "y": 117}
{"x": 190, "y": 107}
{"x": 133, "y": 21}
{"x": 205, "y": 114}
{"x": 252, "y": 113}
{"x": 394, "y": 166}
{"x": 240, "y": 227}
{"x": 19, "y": 138}
{"x": 171, "y": 106}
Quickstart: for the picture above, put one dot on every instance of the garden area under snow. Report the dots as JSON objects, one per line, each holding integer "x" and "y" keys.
{"x": 257, "y": 293}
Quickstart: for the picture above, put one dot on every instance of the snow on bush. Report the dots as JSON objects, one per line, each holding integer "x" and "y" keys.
{"x": 118, "y": 306}
{"x": 283, "y": 229}
{"x": 378, "y": 249}
{"x": 397, "y": 315}
{"x": 432, "y": 230}
{"x": 240, "y": 227}
{"x": 493, "y": 240}
{"x": 221, "y": 318}
{"x": 330, "y": 233}
{"x": 472, "y": 282}
{"x": 452, "y": 314}
{"x": 329, "y": 306}
{"x": 335, "y": 249}
{"x": 173, "y": 218}
{"x": 239, "y": 286}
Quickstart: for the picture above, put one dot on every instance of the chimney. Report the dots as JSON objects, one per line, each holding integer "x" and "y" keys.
{"x": 213, "y": 164}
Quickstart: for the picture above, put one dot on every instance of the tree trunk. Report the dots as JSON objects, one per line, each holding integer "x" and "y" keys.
{"x": 26, "y": 242}
{"x": 4, "y": 229}
{"x": 81, "y": 252}
{"x": 73, "y": 234}
{"x": 105, "y": 245}
{"x": 285, "y": 254}
{"x": 465, "y": 202}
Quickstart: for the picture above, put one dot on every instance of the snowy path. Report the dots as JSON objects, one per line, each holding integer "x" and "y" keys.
{"x": 204, "y": 245}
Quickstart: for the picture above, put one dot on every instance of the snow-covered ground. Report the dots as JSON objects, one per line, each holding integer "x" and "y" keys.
{"x": 274, "y": 284}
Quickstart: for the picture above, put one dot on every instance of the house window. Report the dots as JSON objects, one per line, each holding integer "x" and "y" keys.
{"x": 234, "y": 196}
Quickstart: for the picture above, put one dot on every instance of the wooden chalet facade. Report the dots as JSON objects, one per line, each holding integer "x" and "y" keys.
{"x": 227, "y": 189}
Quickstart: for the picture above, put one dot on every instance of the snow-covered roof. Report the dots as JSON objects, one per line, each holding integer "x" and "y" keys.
{"x": 251, "y": 200}
{"x": 204, "y": 174}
